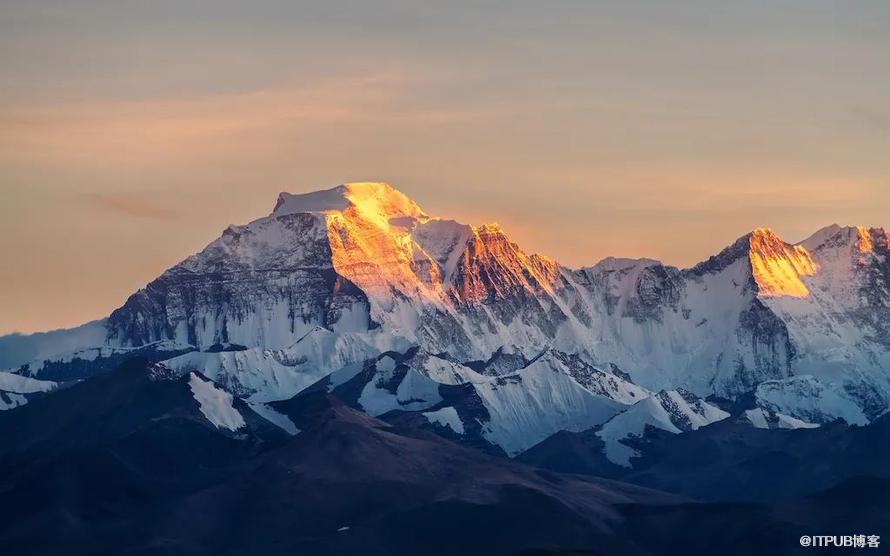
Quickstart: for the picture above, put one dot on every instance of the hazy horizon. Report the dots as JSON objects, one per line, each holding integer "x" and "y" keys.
{"x": 132, "y": 133}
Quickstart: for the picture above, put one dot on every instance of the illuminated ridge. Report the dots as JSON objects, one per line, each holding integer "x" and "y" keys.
{"x": 865, "y": 243}
{"x": 778, "y": 266}
{"x": 383, "y": 242}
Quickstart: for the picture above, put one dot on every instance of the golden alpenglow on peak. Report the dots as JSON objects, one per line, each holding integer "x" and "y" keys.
{"x": 778, "y": 266}
{"x": 865, "y": 243}
{"x": 378, "y": 201}
{"x": 382, "y": 203}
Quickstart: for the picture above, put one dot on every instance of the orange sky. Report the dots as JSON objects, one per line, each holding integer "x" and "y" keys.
{"x": 130, "y": 136}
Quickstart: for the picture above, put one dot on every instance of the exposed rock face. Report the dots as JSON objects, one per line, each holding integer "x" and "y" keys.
{"x": 267, "y": 283}
{"x": 771, "y": 350}
{"x": 492, "y": 268}
{"x": 658, "y": 287}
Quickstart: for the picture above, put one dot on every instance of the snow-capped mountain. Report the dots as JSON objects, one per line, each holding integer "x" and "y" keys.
{"x": 512, "y": 411}
{"x": 145, "y": 457}
{"x": 331, "y": 281}
{"x": 674, "y": 411}
{"x": 260, "y": 375}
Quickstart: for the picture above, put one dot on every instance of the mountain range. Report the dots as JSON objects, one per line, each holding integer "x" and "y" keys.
{"x": 352, "y": 314}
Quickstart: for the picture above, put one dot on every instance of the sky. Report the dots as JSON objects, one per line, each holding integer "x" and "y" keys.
{"x": 133, "y": 133}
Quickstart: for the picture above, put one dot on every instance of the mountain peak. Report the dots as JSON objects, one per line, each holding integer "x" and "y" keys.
{"x": 374, "y": 200}
{"x": 778, "y": 266}
{"x": 864, "y": 239}
{"x": 821, "y": 236}
{"x": 765, "y": 238}
{"x": 315, "y": 201}
{"x": 764, "y": 234}
{"x": 491, "y": 228}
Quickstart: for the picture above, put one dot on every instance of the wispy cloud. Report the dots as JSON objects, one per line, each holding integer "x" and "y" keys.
{"x": 127, "y": 133}
{"x": 130, "y": 206}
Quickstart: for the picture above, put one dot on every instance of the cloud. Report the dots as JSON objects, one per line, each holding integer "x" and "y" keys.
{"x": 136, "y": 133}
{"x": 131, "y": 206}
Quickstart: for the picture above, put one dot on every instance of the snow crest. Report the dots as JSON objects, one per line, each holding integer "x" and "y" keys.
{"x": 674, "y": 411}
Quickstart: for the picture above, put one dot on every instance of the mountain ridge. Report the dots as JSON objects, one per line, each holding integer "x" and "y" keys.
{"x": 334, "y": 278}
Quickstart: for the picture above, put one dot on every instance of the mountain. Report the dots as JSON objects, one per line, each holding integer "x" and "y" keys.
{"x": 16, "y": 390}
{"x": 356, "y": 258}
{"x": 135, "y": 399}
{"x": 333, "y": 279}
{"x": 730, "y": 460}
{"x": 350, "y": 374}
{"x": 673, "y": 411}
{"x": 141, "y": 460}
{"x": 511, "y": 411}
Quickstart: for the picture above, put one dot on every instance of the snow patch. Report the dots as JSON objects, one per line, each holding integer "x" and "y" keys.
{"x": 10, "y": 400}
{"x": 18, "y": 384}
{"x": 278, "y": 419}
{"x": 446, "y": 417}
{"x": 757, "y": 417}
{"x": 764, "y": 419}
{"x": 216, "y": 404}
{"x": 415, "y": 391}
{"x": 316, "y": 201}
